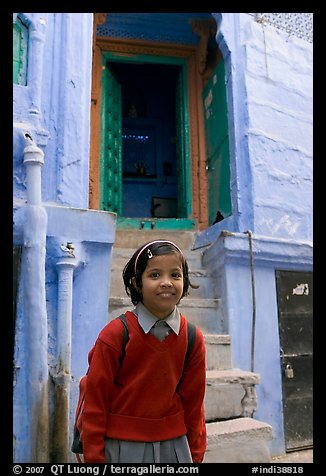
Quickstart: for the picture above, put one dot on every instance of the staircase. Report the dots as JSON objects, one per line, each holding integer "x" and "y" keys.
{"x": 230, "y": 399}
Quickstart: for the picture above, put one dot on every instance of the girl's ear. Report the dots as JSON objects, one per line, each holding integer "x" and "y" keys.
{"x": 133, "y": 280}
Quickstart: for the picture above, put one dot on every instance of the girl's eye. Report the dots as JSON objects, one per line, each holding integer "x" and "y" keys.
{"x": 154, "y": 275}
{"x": 176, "y": 275}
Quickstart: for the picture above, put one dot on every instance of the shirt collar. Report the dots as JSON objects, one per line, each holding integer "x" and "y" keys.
{"x": 146, "y": 319}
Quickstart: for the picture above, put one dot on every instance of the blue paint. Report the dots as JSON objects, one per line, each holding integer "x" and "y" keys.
{"x": 53, "y": 108}
{"x": 270, "y": 129}
{"x": 165, "y": 27}
{"x": 228, "y": 259}
{"x": 33, "y": 298}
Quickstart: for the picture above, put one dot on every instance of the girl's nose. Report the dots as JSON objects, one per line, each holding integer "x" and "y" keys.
{"x": 166, "y": 283}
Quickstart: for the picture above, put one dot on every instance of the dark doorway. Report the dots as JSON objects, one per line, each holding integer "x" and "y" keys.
{"x": 295, "y": 299}
{"x": 150, "y": 182}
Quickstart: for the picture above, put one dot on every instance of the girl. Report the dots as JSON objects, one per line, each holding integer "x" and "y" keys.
{"x": 150, "y": 409}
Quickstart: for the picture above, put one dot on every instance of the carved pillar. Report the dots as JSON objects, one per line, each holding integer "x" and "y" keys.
{"x": 249, "y": 401}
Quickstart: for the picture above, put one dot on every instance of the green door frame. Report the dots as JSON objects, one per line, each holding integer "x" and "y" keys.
{"x": 111, "y": 147}
{"x": 158, "y": 223}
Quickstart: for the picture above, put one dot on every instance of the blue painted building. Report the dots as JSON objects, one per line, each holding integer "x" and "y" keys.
{"x": 65, "y": 260}
{"x": 269, "y": 91}
{"x": 65, "y": 223}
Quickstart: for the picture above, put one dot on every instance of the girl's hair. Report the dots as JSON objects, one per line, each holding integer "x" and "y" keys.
{"x": 138, "y": 262}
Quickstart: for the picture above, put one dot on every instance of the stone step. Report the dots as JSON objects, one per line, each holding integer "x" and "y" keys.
{"x": 201, "y": 278}
{"x": 240, "y": 440}
{"x": 120, "y": 257}
{"x": 205, "y": 313}
{"x": 230, "y": 393}
{"x": 202, "y": 312}
{"x": 218, "y": 351}
{"x": 233, "y": 376}
{"x": 197, "y": 277}
{"x": 135, "y": 238}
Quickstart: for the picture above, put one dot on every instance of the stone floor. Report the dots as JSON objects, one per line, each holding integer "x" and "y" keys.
{"x": 303, "y": 456}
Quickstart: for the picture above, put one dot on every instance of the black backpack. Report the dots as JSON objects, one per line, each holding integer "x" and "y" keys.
{"x": 77, "y": 445}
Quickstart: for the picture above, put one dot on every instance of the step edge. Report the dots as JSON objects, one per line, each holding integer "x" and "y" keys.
{"x": 214, "y": 377}
{"x": 241, "y": 425}
{"x": 189, "y": 302}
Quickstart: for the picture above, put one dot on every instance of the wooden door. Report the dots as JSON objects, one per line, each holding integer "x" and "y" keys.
{"x": 217, "y": 145}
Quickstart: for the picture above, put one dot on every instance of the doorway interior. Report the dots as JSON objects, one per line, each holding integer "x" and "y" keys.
{"x": 145, "y": 171}
{"x": 149, "y": 139}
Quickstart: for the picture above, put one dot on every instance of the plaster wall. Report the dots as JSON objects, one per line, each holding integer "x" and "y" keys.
{"x": 228, "y": 260}
{"x": 54, "y": 109}
{"x": 265, "y": 351}
{"x": 55, "y": 101}
{"x": 269, "y": 87}
{"x": 279, "y": 86}
{"x": 269, "y": 92}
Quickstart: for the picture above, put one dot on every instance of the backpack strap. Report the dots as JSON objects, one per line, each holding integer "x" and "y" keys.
{"x": 191, "y": 338}
{"x": 123, "y": 319}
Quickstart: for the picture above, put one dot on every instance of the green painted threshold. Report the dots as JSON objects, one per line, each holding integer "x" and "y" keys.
{"x": 156, "y": 223}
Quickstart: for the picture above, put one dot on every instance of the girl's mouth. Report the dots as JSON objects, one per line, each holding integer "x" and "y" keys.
{"x": 165, "y": 294}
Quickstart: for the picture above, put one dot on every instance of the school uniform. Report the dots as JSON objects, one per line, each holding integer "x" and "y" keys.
{"x": 154, "y": 412}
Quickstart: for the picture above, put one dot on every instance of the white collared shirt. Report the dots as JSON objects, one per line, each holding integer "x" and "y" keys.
{"x": 147, "y": 320}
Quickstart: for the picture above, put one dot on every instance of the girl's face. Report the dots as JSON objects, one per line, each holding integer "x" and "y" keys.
{"x": 162, "y": 284}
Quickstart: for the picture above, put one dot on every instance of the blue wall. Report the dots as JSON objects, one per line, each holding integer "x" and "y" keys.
{"x": 54, "y": 110}
{"x": 269, "y": 93}
{"x": 228, "y": 261}
{"x": 270, "y": 127}
{"x": 168, "y": 27}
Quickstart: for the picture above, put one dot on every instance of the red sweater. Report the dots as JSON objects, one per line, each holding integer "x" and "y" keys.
{"x": 140, "y": 401}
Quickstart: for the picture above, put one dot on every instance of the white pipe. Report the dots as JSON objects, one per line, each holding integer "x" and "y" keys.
{"x": 34, "y": 160}
{"x": 66, "y": 266}
{"x": 34, "y": 253}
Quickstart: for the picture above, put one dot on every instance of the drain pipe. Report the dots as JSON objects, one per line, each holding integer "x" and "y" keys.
{"x": 65, "y": 266}
{"x": 253, "y": 294}
{"x": 34, "y": 254}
